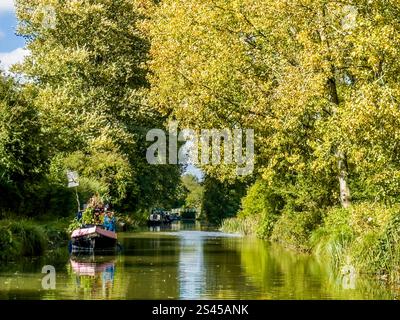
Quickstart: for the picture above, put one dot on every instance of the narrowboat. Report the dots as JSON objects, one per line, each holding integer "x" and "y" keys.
{"x": 159, "y": 217}
{"x": 93, "y": 238}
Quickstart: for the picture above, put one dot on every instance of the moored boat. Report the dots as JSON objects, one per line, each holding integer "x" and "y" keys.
{"x": 160, "y": 217}
{"x": 93, "y": 238}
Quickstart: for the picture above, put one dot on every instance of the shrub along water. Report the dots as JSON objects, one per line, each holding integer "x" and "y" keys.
{"x": 21, "y": 238}
{"x": 244, "y": 225}
{"x": 366, "y": 235}
{"x": 26, "y": 238}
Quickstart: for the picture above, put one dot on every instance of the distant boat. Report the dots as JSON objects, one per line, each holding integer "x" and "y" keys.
{"x": 93, "y": 238}
{"x": 161, "y": 217}
{"x": 155, "y": 219}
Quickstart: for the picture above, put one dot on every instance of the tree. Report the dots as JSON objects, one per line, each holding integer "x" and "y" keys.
{"x": 88, "y": 67}
{"x": 195, "y": 191}
{"x": 23, "y": 147}
{"x": 221, "y": 199}
{"x": 316, "y": 79}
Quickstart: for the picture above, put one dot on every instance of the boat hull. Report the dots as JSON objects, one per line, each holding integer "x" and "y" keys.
{"x": 88, "y": 240}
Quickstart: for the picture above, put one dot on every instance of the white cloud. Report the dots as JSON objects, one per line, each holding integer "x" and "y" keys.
{"x": 6, "y": 6}
{"x": 7, "y": 59}
{"x": 2, "y": 34}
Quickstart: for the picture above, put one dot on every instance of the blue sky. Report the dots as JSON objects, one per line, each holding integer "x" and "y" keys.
{"x": 11, "y": 46}
{"x": 8, "y": 23}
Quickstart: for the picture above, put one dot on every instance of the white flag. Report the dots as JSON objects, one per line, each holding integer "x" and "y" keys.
{"x": 72, "y": 179}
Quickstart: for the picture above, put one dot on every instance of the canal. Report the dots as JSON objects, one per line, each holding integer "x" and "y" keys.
{"x": 188, "y": 261}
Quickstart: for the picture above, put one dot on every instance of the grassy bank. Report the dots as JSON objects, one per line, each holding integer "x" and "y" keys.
{"x": 366, "y": 235}
{"x": 23, "y": 238}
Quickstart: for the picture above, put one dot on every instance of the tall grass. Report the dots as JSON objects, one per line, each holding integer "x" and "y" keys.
{"x": 21, "y": 238}
{"x": 244, "y": 225}
{"x": 366, "y": 235}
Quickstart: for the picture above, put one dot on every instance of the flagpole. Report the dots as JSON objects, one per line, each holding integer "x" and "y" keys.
{"x": 77, "y": 198}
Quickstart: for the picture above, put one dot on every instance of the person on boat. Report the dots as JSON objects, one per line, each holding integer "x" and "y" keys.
{"x": 79, "y": 215}
{"x": 113, "y": 222}
{"x": 109, "y": 221}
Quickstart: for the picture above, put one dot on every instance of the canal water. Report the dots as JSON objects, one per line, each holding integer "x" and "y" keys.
{"x": 187, "y": 261}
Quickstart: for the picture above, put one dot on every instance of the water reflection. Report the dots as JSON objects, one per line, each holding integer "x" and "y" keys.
{"x": 192, "y": 275}
{"x": 192, "y": 262}
{"x": 174, "y": 226}
{"x": 94, "y": 276}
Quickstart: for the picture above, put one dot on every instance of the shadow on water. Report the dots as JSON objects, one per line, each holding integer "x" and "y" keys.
{"x": 187, "y": 261}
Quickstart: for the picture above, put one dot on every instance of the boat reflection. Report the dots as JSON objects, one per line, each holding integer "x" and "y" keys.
{"x": 94, "y": 276}
{"x": 173, "y": 226}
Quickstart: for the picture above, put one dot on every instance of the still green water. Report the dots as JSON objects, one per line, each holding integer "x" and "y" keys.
{"x": 187, "y": 262}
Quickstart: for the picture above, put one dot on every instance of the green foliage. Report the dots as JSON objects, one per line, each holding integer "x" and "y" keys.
{"x": 376, "y": 248}
{"x": 83, "y": 107}
{"x": 263, "y": 204}
{"x": 221, "y": 199}
{"x": 33, "y": 239}
{"x": 243, "y": 225}
{"x": 132, "y": 221}
{"x": 334, "y": 237}
{"x": 21, "y": 238}
{"x": 75, "y": 224}
{"x": 293, "y": 229}
{"x": 366, "y": 235}
{"x": 8, "y": 246}
{"x": 23, "y": 149}
{"x": 103, "y": 169}
{"x": 88, "y": 216}
{"x": 195, "y": 191}
{"x": 316, "y": 88}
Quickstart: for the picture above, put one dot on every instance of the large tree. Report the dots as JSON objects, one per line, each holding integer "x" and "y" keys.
{"x": 23, "y": 147}
{"x": 316, "y": 79}
{"x": 87, "y": 64}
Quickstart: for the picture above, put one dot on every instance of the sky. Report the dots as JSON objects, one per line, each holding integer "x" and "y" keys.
{"x": 11, "y": 46}
{"x": 12, "y": 49}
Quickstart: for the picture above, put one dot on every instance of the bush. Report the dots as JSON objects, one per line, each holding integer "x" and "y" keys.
{"x": 261, "y": 205}
{"x": 21, "y": 238}
{"x": 32, "y": 238}
{"x": 293, "y": 229}
{"x": 367, "y": 235}
{"x": 334, "y": 236}
{"x": 378, "y": 251}
{"x": 8, "y": 247}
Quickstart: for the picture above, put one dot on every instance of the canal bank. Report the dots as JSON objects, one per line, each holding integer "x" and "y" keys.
{"x": 364, "y": 237}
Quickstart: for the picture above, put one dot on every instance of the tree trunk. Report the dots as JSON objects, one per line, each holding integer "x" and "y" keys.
{"x": 345, "y": 198}
{"x": 344, "y": 189}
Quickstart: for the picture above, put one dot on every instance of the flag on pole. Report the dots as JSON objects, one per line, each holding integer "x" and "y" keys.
{"x": 72, "y": 179}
